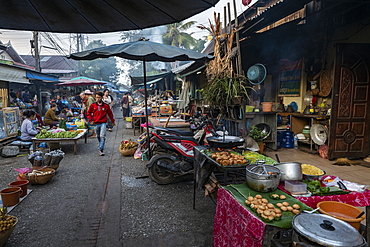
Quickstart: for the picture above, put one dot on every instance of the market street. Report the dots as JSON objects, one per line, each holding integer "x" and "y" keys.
{"x": 98, "y": 201}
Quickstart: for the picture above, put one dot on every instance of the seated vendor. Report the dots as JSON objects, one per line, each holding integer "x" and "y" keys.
{"x": 50, "y": 118}
{"x": 28, "y": 129}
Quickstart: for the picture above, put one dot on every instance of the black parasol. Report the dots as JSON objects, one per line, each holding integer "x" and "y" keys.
{"x": 145, "y": 51}
{"x": 96, "y": 16}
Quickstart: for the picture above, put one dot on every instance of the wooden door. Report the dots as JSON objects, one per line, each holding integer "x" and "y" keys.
{"x": 350, "y": 118}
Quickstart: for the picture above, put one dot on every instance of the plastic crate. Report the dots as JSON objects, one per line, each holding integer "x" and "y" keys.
{"x": 295, "y": 187}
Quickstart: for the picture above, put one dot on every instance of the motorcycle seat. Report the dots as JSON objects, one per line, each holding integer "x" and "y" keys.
{"x": 175, "y": 131}
{"x": 181, "y": 138}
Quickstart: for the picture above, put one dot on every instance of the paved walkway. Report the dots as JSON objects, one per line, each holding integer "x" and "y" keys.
{"x": 101, "y": 201}
{"x": 98, "y": 201}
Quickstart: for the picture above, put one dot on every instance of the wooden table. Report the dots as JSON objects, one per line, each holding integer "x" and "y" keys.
{"x": 155, "y": 121}
{"x": 138, "y": 120}
{"x": 57, "y": 140}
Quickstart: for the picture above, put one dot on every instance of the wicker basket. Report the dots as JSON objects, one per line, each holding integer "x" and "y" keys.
{"x": 127, "y": 152}
{"x": 55, "y": 167}
{"x": 42, "y": 178}
{"x": 4, "y": 235}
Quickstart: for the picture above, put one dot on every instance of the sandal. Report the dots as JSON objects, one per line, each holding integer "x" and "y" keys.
{"x": 92, "y": 136}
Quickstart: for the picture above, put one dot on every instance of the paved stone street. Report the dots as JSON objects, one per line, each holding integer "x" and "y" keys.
{"x": 100, "y": 201}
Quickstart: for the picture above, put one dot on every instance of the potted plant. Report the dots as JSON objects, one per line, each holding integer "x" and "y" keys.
{"x": 258, "y": 135}
{"x": 226, "y": 90}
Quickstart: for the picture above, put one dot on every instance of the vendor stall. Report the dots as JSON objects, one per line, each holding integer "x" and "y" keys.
{"x": 83, "y": 133}
{"x": 237, "y": 223}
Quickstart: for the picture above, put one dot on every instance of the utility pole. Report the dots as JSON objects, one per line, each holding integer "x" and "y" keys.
{"x": 78, "y": 41}
{"x": 36, "y": 49}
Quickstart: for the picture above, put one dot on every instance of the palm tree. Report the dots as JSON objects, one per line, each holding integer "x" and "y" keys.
{"x": 176, "y": 35}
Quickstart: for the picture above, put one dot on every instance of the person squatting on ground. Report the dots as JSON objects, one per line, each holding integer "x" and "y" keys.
{"x": 97, "y": 115}
{"x": 28, "y": 129}
{"x": 108, "y": 99}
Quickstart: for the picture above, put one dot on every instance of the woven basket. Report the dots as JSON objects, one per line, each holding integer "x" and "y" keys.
{"x": 4, "y": 235}
{"x": 127, "y": 152}
{"x": 41, "y": 179}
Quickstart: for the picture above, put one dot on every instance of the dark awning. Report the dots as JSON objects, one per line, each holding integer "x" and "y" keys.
{"x": 40, "y": 76}
{"x": 96, "y": 16}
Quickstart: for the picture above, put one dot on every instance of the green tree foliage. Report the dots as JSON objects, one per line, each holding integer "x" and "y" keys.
{"x": 176, "y": 35}
{"x": 102, "y": 68}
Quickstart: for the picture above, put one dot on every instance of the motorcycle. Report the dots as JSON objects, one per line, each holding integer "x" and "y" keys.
{"x": 174, "y": 153}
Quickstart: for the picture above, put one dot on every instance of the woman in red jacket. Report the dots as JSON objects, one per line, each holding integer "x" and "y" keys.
{"x": 98, "y": 114}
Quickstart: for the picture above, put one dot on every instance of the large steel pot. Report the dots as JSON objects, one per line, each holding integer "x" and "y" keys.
{"x": 290, "y": 170}
{"x": 262, "y": 178}
{"x": 311, "y": 230}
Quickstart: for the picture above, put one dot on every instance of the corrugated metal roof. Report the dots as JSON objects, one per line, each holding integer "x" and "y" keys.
{"x": 53, "y": 62}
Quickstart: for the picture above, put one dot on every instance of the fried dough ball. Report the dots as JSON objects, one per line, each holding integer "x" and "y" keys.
{"x": 264, "y": 200}
{"x": 267, "y": 212}
{"x": 283, "y": 208}
{"x": 278, "y": 211}
{"x": 247, "y": 202}
{"x": 289, "y": 208}
{"x": 271, "y": 217}
{"x": 258, "y": 196}
{"x": 296, "y": 206}
{"x": 285, "y": 204}
{"x": 259, "y": 211}
{"x": 262, "y": 207}
{"x": 279, "y": 204}
{"x": 282, "y": 197}
{"x": 270, "y": 205}
{"x": 250, "y": 198}
{"x": 296, "y": 211}
{"x": 273, "y": 213}
{"x": 279, "y": 215}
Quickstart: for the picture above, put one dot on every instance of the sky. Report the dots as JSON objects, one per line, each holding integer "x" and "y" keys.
{"x": 20, "y": 40}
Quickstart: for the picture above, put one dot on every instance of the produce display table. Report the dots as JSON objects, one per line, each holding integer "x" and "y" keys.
{"x": 235, "y": 225}
{"x": 54, "y": 140}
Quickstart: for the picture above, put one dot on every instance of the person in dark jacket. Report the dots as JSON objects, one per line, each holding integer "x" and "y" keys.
{"x": 97, "y": 115}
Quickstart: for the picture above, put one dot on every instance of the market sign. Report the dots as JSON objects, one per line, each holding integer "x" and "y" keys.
{"x": 290, "y": 77}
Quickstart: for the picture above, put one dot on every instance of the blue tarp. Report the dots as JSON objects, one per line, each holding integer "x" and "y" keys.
{"x": 40, "y": 76}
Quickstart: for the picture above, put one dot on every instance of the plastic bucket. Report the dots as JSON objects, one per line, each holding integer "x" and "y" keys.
{"x": 287, "y": 139}
{"x": 10, "y": 196}
{"x": 342, "y": 211}
{"x": 23, "y": 184}
{"x": 266, "y": 106}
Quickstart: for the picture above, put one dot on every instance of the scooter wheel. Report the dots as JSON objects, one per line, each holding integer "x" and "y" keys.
{"x": 159, "y": 174}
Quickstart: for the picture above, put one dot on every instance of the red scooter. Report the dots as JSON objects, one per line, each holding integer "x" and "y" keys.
{"x": 174, "y": 153}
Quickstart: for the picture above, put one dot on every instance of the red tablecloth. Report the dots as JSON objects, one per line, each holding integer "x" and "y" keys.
{"x": 354, "y": 198}
{"x": 234, "y": 225}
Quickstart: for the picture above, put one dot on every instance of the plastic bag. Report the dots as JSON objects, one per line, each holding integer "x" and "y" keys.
{"x": 323, "y": 151}
{"x": 80, "y": 123}
{"x": 138, "y": 153}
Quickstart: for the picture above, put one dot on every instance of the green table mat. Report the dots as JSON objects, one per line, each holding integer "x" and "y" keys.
{"x": 242, "y": 191}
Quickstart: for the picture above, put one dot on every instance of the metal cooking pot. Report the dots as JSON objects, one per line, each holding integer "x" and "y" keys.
{"x": 290, "y": 170}
{"x": 311, "y": 230}
{"x": 225, "y": 141}
{"x": 262, "y": 178}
